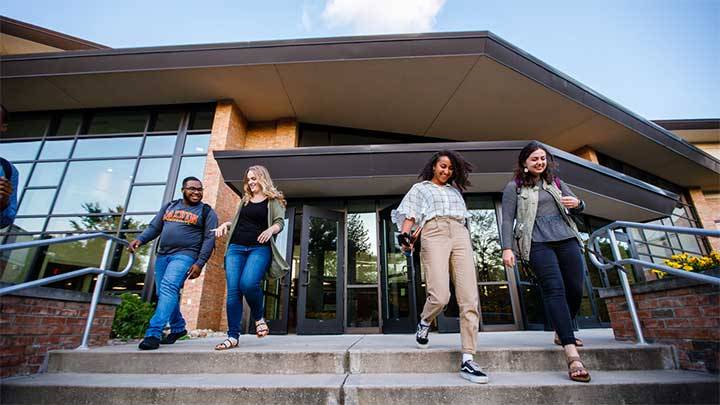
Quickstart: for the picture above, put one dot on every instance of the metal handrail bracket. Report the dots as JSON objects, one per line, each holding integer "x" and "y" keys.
{"x": 102, "y": 271}
{"x": 619, "y": 262}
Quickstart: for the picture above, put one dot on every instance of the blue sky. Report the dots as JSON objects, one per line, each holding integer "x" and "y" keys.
{"x": 658, "y": 58}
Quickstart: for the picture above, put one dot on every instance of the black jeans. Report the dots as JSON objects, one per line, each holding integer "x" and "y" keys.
{"x": 560, "y": 267}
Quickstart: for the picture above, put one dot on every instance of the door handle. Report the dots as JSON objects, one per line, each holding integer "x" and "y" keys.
{"x": 307, "y": 277}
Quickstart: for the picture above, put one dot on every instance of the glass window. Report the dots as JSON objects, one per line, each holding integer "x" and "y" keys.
{"x": 362, "y": 310}
{"x": 17, "y": 262}
{"x": 117, "y": 122}
{"x": 153, "y": 170}
{"x": 26, "y": 125}
{"x": 135, "y": 280}
{"x": 362, "y": 248}
{"x": 496, "y": 305}
{"x": 26, "y": 225}
{"x": 190, "y": 166}
{"x": 146, "y": 198}
{"x": 196, "y": 143}
{"x": 69, "y": 124}
{"x": 83, "y": 223}
{"x": 66, "y": 257}
{"x": 167, "y": 121}
{"x": 47, "y": 174}
{"x": 136, "y": 222}
{"x": 36, "y": 202}
{"x": 23, "y": 173}
{"x": 159, "y": 145}
{"x": 95, "y": 186}
{"x": 201, "y": 120}
{"x": 56, "y": 149}
{"x": 16, "y": 151}
{"x": 107, "y": 147}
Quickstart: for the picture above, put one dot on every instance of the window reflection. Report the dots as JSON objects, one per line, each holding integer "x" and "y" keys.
{"x": 107, "y": 147}
{"x": 56, "y": 149}
{"x": 14, "y": 264}
{"x": 17, "y": 151}
{"x": 95, "y": 186}
{"x": 134, "y": 282}
{"x": 196, "y": 144}
{"x": 153, "y": 171}
{"x": 69, "y": 124}
{"x": 26, "y": 125}
{"x": 485, "y": 240}
{"x": 23, "y": 173}
{"x": 47, "y": 174}
{"x": 36, "y": 202}
{"x": 145, "y": 198}
{"x": 362, "y": 307}
{"x": 159, "y": 145}
{"x": 190, "y": 166}
{"x": 167, "y": 121}
{"x": 201, "y": 120}
{"x": 83, "y": 223}
{"x": 136, "y": 222}
{"x": 26, "y": 225}
{"x": 117, "y": 122}
{"x": 362, "y": 248}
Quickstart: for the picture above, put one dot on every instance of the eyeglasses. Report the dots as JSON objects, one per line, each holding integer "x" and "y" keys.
{"x": 194, "y": 189}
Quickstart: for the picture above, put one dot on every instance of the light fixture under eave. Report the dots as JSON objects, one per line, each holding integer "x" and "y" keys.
{"x": 119, "y": 288}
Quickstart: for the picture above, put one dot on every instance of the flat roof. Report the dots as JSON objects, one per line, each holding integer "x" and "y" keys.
{"x": 460, "y": 86}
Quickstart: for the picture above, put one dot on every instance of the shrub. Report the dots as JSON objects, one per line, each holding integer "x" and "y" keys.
{"x": 131, "y": 317}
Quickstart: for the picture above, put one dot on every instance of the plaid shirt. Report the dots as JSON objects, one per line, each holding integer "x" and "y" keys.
{"x": 426, "y": 201}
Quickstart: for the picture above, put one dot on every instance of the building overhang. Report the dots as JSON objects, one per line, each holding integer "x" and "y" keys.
{"x": 466, "y": 86}
{"x": 390, "y": 170}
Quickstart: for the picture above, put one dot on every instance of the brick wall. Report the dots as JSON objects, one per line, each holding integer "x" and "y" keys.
{"x": 687, "y": 317}
{"x": 31, "y": 326}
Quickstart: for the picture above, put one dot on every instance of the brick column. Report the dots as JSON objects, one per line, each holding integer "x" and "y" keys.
{"x": 587, "y": 153}
{"x": 708, "y": 211}
{"x": 203, "y": 299}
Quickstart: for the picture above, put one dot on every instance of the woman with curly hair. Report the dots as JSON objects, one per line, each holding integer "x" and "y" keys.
{"x": 436, "y": 206}
{"x": 251, "y": 253}
{"x": 539, "y": 205}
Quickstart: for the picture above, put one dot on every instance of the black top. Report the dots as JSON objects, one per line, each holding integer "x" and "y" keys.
{"x": 253, "y": 220}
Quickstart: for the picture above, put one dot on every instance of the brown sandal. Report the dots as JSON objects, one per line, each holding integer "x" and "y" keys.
{"x": 228, "y": 343}
{"x": 579, "y": 378}
{"x": 578, "y": 342}
{"x": 261, "y": 328}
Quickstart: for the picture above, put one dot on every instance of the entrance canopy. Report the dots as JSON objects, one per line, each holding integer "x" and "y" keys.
{"x": 461, "y": 86}
{"x": 385, "y": 170}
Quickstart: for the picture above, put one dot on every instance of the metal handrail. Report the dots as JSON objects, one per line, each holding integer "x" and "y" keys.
{"x": 618, "y": 262}
{"x": 101, "y": 271}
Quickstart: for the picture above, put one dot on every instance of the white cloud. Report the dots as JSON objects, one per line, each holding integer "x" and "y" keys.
{"x": 382, "y": 16}
{"x": 306, "y": 21}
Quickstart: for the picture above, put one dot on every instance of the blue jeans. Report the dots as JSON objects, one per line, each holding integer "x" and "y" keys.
{"x": 245, "y": 267}
{"x": 170, "y": 274}
{"x": 560, "y": 267}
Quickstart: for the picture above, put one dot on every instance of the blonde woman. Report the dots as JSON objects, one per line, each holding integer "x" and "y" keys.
{"x": 250, "y": 253}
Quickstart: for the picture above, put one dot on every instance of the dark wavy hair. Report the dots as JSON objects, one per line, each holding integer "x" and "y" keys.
{"x": 523, "y": 179}
{"x": 461, "y": 168}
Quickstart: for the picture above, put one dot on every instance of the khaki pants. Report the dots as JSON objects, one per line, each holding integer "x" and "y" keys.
{"x": 446, "y": 251}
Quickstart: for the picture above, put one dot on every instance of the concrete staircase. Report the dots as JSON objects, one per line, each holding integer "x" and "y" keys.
{"x": 524, "y": 367}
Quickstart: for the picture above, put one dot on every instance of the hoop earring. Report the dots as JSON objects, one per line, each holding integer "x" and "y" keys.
{"x": 525, "y": 170}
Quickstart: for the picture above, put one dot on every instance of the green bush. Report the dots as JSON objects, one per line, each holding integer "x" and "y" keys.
{"x": 131, "y": 317}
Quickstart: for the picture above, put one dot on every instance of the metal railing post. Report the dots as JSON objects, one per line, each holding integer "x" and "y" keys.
{"x": 99, "y": 284}
{"x": 626, "y": 289}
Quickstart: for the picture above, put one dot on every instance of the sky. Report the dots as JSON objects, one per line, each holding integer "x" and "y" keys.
{"x": 657, "y": 58}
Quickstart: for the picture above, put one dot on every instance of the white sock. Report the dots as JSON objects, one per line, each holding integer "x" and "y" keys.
{"x": 424, "y": 323}
{"x": 466, "y": 357}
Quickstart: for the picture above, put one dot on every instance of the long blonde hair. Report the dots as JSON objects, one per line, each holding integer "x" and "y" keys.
{"x": 266, "y": 185}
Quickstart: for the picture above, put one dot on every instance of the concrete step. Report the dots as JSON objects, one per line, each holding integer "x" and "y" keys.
{"x": 354, "y": 354}
{"x": 106, "y": 389}
{"x": 655, "y": 386}
{"x": 606, "y": 387}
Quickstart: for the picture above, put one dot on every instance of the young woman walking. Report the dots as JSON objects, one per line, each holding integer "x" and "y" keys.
{"x": 251, "y": 254}
{"x": 539, "y": 205}
{"x": 436, "y": 206}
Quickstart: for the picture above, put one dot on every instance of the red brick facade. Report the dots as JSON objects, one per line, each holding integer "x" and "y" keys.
{"x": 687, "y": 318}
{"x": 30, "y": 327}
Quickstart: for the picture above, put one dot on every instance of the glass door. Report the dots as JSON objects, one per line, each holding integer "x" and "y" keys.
{"x": 321, "y": 277}
{"x": 277, "y": 292}
{"x": 399, "y": 279}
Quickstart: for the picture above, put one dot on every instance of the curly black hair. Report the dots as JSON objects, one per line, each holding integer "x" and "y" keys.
{"x": 461, "y": 168}
{"x": 525, "y": 179}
